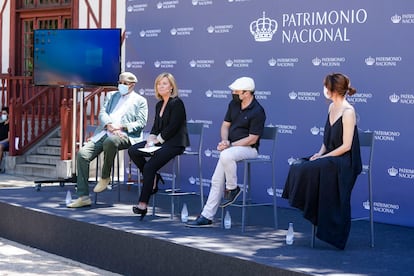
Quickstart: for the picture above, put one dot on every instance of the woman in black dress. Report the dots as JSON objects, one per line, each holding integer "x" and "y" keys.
{"x": 169, "y": 132}
{"x": 321, "y": 185}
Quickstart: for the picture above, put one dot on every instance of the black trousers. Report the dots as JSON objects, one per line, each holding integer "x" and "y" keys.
{"x": 150, "y": 163}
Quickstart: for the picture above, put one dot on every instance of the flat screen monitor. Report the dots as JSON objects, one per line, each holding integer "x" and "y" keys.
{"x": 77, "y": 57}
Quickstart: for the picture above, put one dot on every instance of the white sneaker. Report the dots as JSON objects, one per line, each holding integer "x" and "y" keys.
{"x": 102, "y": 185}
{"x": 82, "y": 201}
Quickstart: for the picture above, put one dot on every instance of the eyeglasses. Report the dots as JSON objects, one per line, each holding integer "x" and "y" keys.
{"x": 124, "y": 82}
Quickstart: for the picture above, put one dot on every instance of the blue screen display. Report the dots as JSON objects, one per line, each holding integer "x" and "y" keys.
{"x": 77, "y": 57}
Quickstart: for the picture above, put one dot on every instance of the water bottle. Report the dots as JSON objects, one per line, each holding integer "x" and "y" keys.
{"x": 184, "y": 213}
{"x": 290, "y": 234}
{"x": 227, "y": 220}
{"x": 68, "y": 197}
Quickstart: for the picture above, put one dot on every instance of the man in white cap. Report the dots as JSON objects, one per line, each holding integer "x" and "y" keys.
{"x": 121, "y": 119}
{"x": 240, "y": 134}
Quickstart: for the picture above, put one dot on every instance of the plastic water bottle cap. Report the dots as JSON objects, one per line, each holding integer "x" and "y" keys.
{"x": 184, "y": 213}
{"x": 68, "y": 199}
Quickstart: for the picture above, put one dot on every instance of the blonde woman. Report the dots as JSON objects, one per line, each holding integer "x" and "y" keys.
{"x": 169, "y": 132}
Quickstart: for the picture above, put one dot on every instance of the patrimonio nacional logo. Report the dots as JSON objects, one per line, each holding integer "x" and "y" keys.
{"x": 403, "y": 19}
{"x": 309, "y": 27}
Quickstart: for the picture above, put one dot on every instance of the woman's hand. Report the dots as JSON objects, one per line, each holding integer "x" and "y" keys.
{"x": 150, "y": 143}
{"x": 315, "y": 156}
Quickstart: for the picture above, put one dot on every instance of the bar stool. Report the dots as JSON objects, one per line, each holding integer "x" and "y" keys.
{"x": 91, "y": 129}
{"x": 269, "y": 134}
{"x": 195, "y": 132}
{"x": 366, "y": 140}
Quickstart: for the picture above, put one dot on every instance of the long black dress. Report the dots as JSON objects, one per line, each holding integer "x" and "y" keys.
{"x": 322, "y": 188}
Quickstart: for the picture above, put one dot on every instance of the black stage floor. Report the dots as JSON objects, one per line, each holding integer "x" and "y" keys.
{"x": 108, "y": 235}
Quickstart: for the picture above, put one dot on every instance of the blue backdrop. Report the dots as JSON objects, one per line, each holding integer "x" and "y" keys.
{"x": 287, "y": 47}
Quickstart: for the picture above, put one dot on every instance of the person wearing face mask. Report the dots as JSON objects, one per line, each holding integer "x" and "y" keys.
{"x": 122, "y": 118}
{"x": 240, "y": 136}
{"x": 169, "y": 133}
{"x": 4, "y": 132}
{"x": 321, "y": 184}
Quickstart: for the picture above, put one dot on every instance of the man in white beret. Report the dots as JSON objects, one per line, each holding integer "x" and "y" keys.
{"x": 240, "y": 134}
{"x": 121, "y": 119}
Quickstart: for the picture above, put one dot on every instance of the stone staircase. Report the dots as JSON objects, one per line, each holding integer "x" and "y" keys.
{"x": 43, "y": 160}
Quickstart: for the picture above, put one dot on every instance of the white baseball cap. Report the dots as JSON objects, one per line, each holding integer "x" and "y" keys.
{"x": 128, "y": 76}
{"x": 243, "y": 83}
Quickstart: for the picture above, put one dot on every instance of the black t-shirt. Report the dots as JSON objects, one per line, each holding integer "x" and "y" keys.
{"x": 4, "y": 131}
{"x": 244, "y": 122}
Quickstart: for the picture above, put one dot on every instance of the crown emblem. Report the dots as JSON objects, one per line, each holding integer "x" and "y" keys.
{"x": 229, "y": 63}
{"x": 272, "y": 62}
{"x": 369, "y": 61}
{"x": 157, "y": 63}
{"x": 396, "y": 19}
{"x": 142, "y": 91}
{"x": 130, "y": 8}
{"x": 394, "y": 98}
{"x": 209, "y": 93}
{"x": 315, "y": 130}
{"x": 194, "y": 2}
{"x": 173, "y": 31}
{"x": 263, "y": 29}
{"x": 207, "y": 152}
{"x": 142, "y": 33}
{"x": 269, "y": 191}
{"x": 159, "y": 5}
{"x": 192, "y": 180}
{"x": 210, "y": 29}
{"x": 316, "y": 61}
{"x": 193, "y": 63}
{"x": 128, "y": 64}
{"x": 366, "y": 205}
{"x": 293, "y": 95}
{"x": 392, "y": 171}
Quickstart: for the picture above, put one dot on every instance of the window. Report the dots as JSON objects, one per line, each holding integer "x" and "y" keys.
{"x": 43, "y": 3}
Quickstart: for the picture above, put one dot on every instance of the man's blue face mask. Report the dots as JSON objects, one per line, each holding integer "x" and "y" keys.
{"x": 123, "y": 89}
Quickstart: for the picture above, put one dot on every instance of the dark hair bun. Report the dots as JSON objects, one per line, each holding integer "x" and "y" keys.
{"x": 351, "y": 91}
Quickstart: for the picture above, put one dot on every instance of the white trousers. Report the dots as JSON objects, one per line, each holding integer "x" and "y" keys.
{"x": 225, "y": 176}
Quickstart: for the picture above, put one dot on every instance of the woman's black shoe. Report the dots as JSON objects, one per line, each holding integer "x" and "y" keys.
{"x": 158, "y": 178}
{"x": 139, "y": 211}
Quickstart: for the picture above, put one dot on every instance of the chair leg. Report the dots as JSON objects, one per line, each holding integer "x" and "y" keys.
{"x": 371, "y": 211}
{"x": 201, "y": 184}
{"x": 275, "y": 217}
{"x": 96, "y": 178}
{"x": 176, "y": 170}
{"x": 153, "y": 205}
{"x": 119, "y": 182}
{"x": 245, "y": 184}
{"x": 274, "y": 201}
{"x": 313, "y": 236}
{"x": 222, "y": 217}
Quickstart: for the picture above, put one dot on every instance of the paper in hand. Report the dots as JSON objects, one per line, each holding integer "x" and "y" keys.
{"x": 150, "y": 149}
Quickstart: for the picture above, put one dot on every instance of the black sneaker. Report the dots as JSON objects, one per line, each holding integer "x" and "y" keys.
{"x": 231, "y": 196}
{"x": 200, "y": 222}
